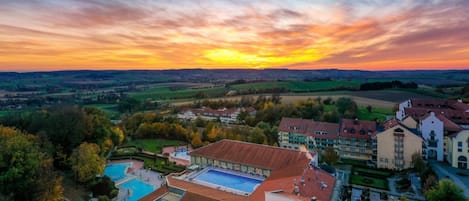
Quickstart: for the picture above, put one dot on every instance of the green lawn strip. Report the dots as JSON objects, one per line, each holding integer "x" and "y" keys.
{"x": 372, "y": 172}
{"x": 154, "y": 145}
{"x": 369, "y": 181}
{"x": 376, "y": 113}
{"x": 3, "y": 113}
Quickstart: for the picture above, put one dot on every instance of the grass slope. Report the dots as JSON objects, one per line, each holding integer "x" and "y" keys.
{"x": 154, "y": 145}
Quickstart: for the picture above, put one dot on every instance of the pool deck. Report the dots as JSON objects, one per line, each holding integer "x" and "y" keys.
{"x": 137, "y": 172}
{"x": 179, "y": 161}
{"x": 136, "y": 165}
{"x": 192, "y": 177}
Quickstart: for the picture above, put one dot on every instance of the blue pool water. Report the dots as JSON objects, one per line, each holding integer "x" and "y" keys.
{"x": 116, "y": 171}
{"x": 138, "y": 189}
{"x": 236, "y": 182}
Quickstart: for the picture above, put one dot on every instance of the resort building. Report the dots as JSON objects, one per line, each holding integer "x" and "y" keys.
{"x": 458, "y": 149}
{"x": 228, "y": 116}
{"x": 234, "y": 170}
{"x": 294, "y": 132}
{"x": 396, "y": 145}
{"x": 436, "y": 120}
{"x": 356, "y": 139}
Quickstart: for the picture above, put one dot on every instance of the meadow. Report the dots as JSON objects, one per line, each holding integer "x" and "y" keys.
{"x": 299, "y": 86}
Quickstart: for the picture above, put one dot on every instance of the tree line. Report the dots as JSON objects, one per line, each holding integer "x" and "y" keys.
{"x": 62, "y": 138}
{"x": 387, "y": 85}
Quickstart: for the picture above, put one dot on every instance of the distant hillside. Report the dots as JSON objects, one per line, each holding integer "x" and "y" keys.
{"x": 429, "y": 77}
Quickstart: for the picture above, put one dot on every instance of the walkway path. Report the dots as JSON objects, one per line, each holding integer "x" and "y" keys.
{"x": 444, "y": 171}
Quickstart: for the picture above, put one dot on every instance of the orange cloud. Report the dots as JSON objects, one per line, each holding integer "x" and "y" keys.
{"x": 47, "y": 35}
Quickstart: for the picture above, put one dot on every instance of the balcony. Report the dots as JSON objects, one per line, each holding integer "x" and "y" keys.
{"x": 432, "y": 143}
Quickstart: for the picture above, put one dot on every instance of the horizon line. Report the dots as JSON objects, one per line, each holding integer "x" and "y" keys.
{"x": 253, "y": 69}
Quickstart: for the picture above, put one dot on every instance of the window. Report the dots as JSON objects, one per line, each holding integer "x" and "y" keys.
{"x": 460, "y": 146}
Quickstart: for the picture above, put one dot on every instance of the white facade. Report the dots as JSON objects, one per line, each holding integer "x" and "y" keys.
{"x": 225, "y": 116}
{"x": 400, "y": 114}
{"x": 433, "y": 133}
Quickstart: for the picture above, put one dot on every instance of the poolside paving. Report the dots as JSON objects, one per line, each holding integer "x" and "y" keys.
{"x": 136, "y": 171}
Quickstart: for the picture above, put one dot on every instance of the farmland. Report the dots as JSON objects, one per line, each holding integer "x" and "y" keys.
{"x": 106, "y": 89}
{"x": 297, "y": 86}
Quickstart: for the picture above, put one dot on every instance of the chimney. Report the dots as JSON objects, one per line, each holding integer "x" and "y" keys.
{"x": 297, "y": 190}
{"x": 313, "y": 198}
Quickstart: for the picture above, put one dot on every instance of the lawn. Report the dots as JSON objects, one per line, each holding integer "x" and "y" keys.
{"x": 363, "y": 114}
{"x": 154, "y": 145}
{"x": 369, "y": 181}
{"x": 369, "y": 177}
{"x": 373, "y": 171}
{"x": 298, "y": 86}
{"x": 110, "y": 109}
{"x": 376, "y": 113}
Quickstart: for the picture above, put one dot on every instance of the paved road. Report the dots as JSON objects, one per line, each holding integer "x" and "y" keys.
{"x": 445, "y": 171}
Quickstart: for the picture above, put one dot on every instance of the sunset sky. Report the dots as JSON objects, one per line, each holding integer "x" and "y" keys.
{"x": 38, "y": 35}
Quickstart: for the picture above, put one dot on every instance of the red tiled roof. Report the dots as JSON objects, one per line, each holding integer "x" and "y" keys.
{"x": 202, "y": 192}
{"x": 457, "y": 116}
{"x": 390, "y": 123}
{"x": 309, "y": 127}
{"x": 362, "y": 129}
{"x": 448, "y": 124}
{"x": 282, "y": 181}
{"x": 431, "y": 103}
{"x": 256, "y": 155}
{"x": 454, "y": 111}
{"x": 155, "y": 194}
{"x": 190, "y": 196}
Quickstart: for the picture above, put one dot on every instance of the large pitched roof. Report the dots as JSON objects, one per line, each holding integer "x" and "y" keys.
{"x": 286, "y": 165}
{"x": 454, "y": 111}
{"x": 310, "y": 128}
{"x": 432, "y": 103}
{"x": 202, "y": 192}
{"x": 361, "y": 129}
{"x": 282, "y": 182}
{"x": 256, "y": 155}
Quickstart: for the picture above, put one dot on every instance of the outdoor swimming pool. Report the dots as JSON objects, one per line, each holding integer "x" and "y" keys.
{"x": 181, "y": 153}
{"x": 116, "y": 171}
{"x": 137, "y": 189}
{"x": 228, "y": 180}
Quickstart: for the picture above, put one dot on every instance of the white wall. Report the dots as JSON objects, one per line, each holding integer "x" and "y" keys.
{"x": 432, "y": 123}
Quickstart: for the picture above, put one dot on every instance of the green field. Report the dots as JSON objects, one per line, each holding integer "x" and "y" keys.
{"x": 154, "y": 145}
{"x": 164, "y": 92}
{"x": 363, "y": 114}
{"x": 298, "y": 86}
{"x": 376, "y": 113}
{"x": 3, "y": 113}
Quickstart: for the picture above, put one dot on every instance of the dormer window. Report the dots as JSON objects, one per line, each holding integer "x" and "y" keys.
{"x": 362, "y": 131}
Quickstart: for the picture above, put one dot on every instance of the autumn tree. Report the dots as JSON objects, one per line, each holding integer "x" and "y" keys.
{"x": 346, "y": 107}
{"x": 87, "y": 162}
{"x": 26, "y": 172}
{"x": 196, "y": 141}
{"x": 418, "y": 163}
{"x": 445, "y": 190}
{"x": 330, "y": 156}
